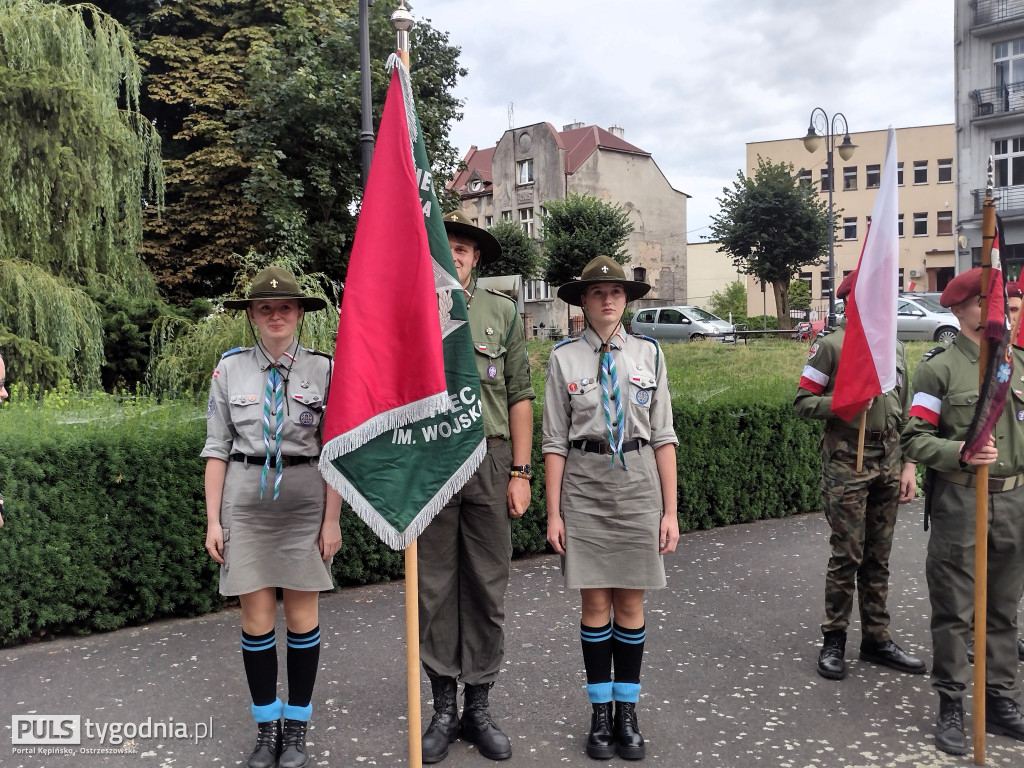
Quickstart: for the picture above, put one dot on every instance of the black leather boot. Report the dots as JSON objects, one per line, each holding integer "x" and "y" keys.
{"x": 1020, "y": 648}
{"x": 629, "y": 743}
{"x": 889, "y": 654}
{"x": 949, "y": 732}
{"x": 831, "y": 664}
{"x": 444, "y": 725}
{"x": 478, "y": 728}
{"x": 293, "y": 748}
{"x": 601, "y": 742}
{"x": 268, "y": 745}
{"x": 1002, "y": 717}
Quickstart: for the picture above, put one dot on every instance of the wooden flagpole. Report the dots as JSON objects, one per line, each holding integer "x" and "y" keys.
{"x": 402, "y": 21}
{"x": 860, "y": 439}
{"x": 988, "y": 232}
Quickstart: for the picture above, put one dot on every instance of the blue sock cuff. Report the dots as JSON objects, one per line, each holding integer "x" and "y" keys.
{"x": 267, "y": 712}
{"x": 627, "y": 692}
{"x": 258, "y": 643}
{"x": 599, "y": 693}
{"x": 633, "y": 636}
{"x": 291, "y": 712}
{"x": 305, "y": 640}
{"x": 595, "y": 634}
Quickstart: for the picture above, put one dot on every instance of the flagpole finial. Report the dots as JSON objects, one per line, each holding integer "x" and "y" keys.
{"x": 403, "y": 22}
{"x": 991, "y": 177}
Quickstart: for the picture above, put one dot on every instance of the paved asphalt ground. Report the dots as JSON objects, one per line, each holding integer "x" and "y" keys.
{"x": 729, "y": 678}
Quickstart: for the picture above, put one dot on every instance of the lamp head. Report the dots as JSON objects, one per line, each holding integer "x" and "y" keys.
{"x": 812, "y": 140}
{"x": 846, "y": 148}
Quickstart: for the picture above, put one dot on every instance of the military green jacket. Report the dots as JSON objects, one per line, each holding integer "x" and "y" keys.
{"x": 817, "y": 382}
{"x": 945, "y": 398}
{"x": 501, "y": 359}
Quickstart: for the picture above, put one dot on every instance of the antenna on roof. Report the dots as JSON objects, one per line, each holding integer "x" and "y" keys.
{"x": 511, "y": 115}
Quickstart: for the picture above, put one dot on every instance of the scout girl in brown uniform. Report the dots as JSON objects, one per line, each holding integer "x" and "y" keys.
{"x": 271, "y": 520}
{"x": 610, "y": 467}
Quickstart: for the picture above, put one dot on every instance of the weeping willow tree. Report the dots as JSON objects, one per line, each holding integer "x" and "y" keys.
{"x": 77, "y": 164}
{"x": 185, "y": 353}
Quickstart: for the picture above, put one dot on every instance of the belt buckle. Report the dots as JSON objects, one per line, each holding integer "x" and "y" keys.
{"x": 996, "y": 484}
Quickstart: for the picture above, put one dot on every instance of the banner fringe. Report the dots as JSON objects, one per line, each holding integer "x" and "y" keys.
{"x": 410, "y": 413}
{"x": 395, "y": 539}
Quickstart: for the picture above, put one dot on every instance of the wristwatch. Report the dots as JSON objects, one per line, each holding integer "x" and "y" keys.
{"x": 522, "y": 470}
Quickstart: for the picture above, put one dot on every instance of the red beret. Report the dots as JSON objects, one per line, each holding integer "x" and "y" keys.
{"x": 962, "y": 287}
{"x": 1013, "y": 290}
{"x": 846, "y": 286}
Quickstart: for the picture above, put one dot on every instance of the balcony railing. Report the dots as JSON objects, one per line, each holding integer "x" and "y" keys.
{"x": 999, "y": 100}
{"x": 1007, "y": 199}
{"x": 992, "y": 11}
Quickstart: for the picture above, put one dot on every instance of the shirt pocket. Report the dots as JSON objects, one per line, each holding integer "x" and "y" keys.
{"x": 585, "y": 400}
{"x": 641, "y": 388}
{"x": 245, "y": 409}
{"x": 310, "y": 407}
{"x": 961, "y": 411}
{"x": 490, "y": 362}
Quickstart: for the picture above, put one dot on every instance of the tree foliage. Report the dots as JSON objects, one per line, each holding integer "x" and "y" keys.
{"x": 77, "y": 160}
{"x": 799, "y": 295}
{"x": 579, "y": 228}
{"x": 519, "y": 252}
{"x": 772, "y": 226}
{"x": 731, "y": 299}
{"x": 259, "y": 107}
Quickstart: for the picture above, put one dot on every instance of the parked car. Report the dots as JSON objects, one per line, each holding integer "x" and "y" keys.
{"x": 918, "y": 318}
{"x": 682, "y": 324}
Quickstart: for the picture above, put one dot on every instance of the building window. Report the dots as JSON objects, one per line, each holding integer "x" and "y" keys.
{"x": 1009, "y": 161}
{"x": 804, "y": 176}
{"x": 826, "y": 183}
{"x": 899, "y": 285}
{"x": 640, "y": 274}
{"x": 1008, "y": 58}
{"x": 476, "y": 185}
{"x": 920, "y": 224}
{"x": 920, "y": 171}
{"x": 944, "y": 223}
{"x": 873, "y": 174}
{"x": 806, "y": 277}
{"x": 899, "y": 174}
{"x": 488, "y": 221}
{"x": 945, "y": 171}
{"x": 826, "y": 284}
{"x": 506, "y": 215}
{"x": 526, "y": 220}
{"x": 850, "y": 228}
{"x": 537, "y": 290}
{"x": 899, "y": 225}
{"x": 525, "y": 171}
{"x": 850, "y": 177}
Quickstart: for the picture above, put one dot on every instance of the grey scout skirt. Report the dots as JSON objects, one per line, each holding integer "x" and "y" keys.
{"x": 270, "y": 543}
{"x": 612, "y": 521}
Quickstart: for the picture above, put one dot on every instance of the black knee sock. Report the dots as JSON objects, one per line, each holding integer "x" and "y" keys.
{"x": 303, "y": 659}
{"x": 628, "y": 650}
{"x": 597, "y": 660}
{"x": 259, "y": 656}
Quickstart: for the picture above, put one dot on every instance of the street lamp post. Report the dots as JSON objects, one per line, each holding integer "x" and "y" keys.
{"x": 829, "y": 132}
{"x": 365, "y": 101}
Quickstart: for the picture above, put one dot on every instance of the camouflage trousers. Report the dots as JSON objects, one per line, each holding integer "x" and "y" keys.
{"x": 861, "y": 510}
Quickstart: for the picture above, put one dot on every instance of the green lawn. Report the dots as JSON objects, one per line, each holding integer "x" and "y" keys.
{"x": 767, "y": 369}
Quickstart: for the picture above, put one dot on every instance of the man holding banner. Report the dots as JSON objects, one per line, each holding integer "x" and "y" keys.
{"x": 944, "y": 405}
{"x": 860, "y": 505}
{"x": 466, "y": 550}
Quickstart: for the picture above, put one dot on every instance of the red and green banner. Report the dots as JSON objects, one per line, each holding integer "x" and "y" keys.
{"x": 403, "y": 428}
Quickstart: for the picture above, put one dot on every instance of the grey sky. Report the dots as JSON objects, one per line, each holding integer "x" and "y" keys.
{"x": 692, "y": 81}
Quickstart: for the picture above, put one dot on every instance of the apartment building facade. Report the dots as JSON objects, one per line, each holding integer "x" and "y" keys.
{"x": 926, "y": 202}
{"x": 989, "y": 84}
{"x": 534, "y": 164}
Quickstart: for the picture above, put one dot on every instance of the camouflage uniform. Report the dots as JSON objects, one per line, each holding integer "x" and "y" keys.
{"x": 860, "y": 506}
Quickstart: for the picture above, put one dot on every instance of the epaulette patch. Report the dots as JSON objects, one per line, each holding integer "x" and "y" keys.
{"x": 318, "y": 352}
{"x": 934, "y": 351}
{"x": 824, "y": 332}
{"x": 563, "y": 342}
{"x": 647, "y": 338}
{"x": 234, "y": 351}
{"x": 503, "y": 295}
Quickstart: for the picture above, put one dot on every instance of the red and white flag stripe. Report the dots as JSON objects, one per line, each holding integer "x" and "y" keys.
{"x": 813, "y": 380}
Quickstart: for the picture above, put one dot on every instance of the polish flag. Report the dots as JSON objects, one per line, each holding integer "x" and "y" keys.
{"x": 867, "y": 363}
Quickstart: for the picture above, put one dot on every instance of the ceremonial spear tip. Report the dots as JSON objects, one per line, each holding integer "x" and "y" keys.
{"x": 991, "y": 177}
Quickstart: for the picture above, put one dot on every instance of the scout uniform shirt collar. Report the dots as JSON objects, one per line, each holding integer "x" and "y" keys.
{"x": 969, "y": 349}
{"x": 469, "y": 291}
{"x": 284, "y": 361}
{"x": 617, "y": 340}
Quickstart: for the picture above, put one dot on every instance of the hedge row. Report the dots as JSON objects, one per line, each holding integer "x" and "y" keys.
{"x": 105, "y": 521}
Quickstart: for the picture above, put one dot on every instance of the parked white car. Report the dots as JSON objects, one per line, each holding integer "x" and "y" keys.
{"x": 682, "y": 324}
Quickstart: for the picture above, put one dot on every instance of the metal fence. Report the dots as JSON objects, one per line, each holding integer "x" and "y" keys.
{"x": 991, "y": 11}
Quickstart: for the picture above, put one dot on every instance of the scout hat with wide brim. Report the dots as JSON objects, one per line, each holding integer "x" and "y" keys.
{"x": 276, "y": 283}
{"x": 459, "y": 224}
{"x": 601, "y": 269}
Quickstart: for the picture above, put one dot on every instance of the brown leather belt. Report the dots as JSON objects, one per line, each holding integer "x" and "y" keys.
{"x": 286, "y": 461}
{"x": 995, "y": 484}
{"x": 850, "y": 433}
{"x": 602, "y": 446}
